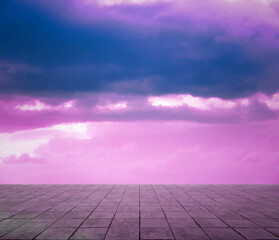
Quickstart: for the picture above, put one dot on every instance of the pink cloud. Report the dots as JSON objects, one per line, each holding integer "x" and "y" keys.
{"x": 150, "y": 152}
{"x": 23, "y": 112}
{"x": 194, "y": 102}
{"x": 22, "y": 159}
{"x": 105, "y": 138}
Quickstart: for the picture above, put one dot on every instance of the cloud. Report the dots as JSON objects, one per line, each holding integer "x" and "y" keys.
{"x": 207, "y": 48}
{"x": 148, "y": 151}
{"x": 24, "y": 112}
{"x": 22, "y": 159}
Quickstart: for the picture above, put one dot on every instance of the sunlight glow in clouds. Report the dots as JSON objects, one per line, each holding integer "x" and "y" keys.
{"x": 77, "y": 130}
{"x": 13, "y": 146}
{"x": 115, "y": 106}
{"x": 36, "y": 106}
{"x": 191, "y": 101}
{"x": 26, "y": 142}
{"x": 271, "y": 101}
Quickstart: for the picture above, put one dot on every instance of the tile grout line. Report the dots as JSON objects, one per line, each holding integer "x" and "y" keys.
{"x": 213, "y": 214}
{"x": 93, "y": 209}
{"x": 32, "y": 218}
{"x": 115, "y": 212}
{"x": 164, "y": 212}
{"x": 236, "y": 213}
{"x": 188, "y": 212}
{"x": 65, "y": 213}
{"x": 139, "y": 214}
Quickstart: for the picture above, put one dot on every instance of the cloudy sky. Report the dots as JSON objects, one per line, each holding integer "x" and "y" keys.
{"x": 139, "y": 91}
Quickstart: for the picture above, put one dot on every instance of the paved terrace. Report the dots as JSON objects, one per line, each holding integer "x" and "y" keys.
{"x": 133, "y": 212}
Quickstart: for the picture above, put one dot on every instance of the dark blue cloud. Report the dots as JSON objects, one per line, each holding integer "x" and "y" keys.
{"x": 41, "y": 53}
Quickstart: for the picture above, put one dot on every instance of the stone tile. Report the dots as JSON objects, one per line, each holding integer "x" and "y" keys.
{"x": 23, "y": 233}
{"x": 81, "y": 215}
{"x": 222, "y": 233}
{"x": 218, "y": 209}
{"x": 82, "y": 209}
{"x": 265, "y": 222}
{"x": 122, "y": 233}
{"x": 275, "y": 231}
{"x": 39, "y": 223}
{"x": 201, "y": 214}
{"x": 27, "y": 214}
{"x": 182, "y": 222}
{"x": 52, "y": 215}
{"x": 227, "y": 214}
{"x": 102, "y": 215}
{"x": 13, "y": 222}
{"x": 177, "y": 215}
{"x": 5, "y": 230}
{"x": 154, "y": 222}
{"x": 152, "y": 215}
{"x": 255, "y": 233}
{"x": 96, "y": 223}
{"x": 7, "y": 214}
{"x": 252, "y": 214}
{"x": 106, "y": 209}
{"x": 127, "y": 215}
{"x": 150, "y": 209}
{"x": 67, "y": 223}
{"x": 125, "y": 223}
{"x": 56, "y": 233}
{"x": 189, "y": 233}
{"x": 155, "y": 233}
{"x": 239, "y": 222}
{"x": 38, "y": 208}
{"x": 210, "y": 222}
{"x": 90, "y": 233}
{"x": 272, "y": 214}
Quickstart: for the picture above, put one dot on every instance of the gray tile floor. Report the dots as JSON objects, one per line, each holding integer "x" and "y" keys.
{"x": 120, "y": 212}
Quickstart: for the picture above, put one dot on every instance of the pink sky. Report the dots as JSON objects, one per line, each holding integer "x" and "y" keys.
{"x": 139, "y": 91}
{"x": 46, "y": 140}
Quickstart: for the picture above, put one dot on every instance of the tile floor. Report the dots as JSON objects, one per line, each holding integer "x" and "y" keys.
{"x": 132, "y": 212}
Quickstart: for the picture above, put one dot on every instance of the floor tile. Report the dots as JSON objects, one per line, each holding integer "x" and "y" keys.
{"x": 275, "y": 231}
{"x": 23, "y": 233}
{"x": 182, "y": 222}
{"x": 127, "y": 215}
{"x": 156, "y": 233}
{"x": 239, "y": 222}
{"x": 122, "y": 233}
{"x": 71, "y": 222}
{"x": 90, "y": 233}
{"x": 56, "y": 233}
{"x": 152, "y": 215}
{"x": 125, "y": 223}
{"x": 255, "y": 233}
{"x": 210, "y": 222}
{"x": 177, "y": 215}
{"x": 96, "y": 223}
{"x": 154, "y": 222}
{"x": 102, "y": 215}
{"x": 123, "y": 212}
{"x": 265, "y": 222}
{"x": 222, "y": 233}
{"x": 189, "y": 233}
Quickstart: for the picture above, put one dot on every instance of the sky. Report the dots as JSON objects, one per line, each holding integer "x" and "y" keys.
{"x": 139, "y": 91}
